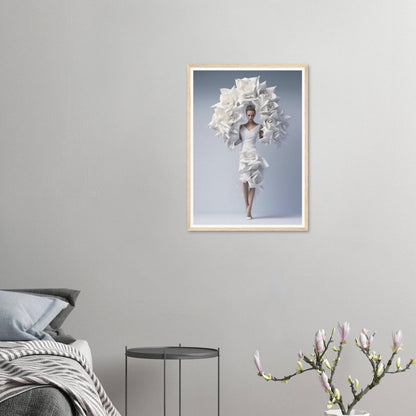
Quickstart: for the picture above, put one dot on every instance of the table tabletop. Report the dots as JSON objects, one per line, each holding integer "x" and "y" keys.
{"x": 172, "y": 353}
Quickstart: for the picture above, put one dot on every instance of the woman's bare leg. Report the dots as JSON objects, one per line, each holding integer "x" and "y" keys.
{"x": 250, "y": 203}
{"x": 245, "y": 193}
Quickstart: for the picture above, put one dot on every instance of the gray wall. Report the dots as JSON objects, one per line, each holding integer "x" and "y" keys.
{"x": 93, "y": 191}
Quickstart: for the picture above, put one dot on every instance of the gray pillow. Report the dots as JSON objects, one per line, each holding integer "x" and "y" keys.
{"x": 59, "y": 335}
{"x": 67, "y": 295}
{"x": 24, "y": 317}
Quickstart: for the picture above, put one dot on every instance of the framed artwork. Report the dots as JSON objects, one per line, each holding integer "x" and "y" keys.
{"x": 247, "y": 147}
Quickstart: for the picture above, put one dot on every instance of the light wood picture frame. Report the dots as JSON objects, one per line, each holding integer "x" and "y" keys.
{"x": 216, "y": 175}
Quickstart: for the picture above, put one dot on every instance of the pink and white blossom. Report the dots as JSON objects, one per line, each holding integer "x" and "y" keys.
{"x": 325, "y": 382}
{"x": 319, "y": 340}
{"x": 257, "y": 362}
{"x": 397, "y": 341}
{"x": 344, "y": 330}
{"x": 364, "y": 341}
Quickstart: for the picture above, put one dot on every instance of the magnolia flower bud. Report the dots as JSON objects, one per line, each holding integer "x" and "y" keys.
{"x": 370, "y": 340}
{"x": 337, "y": 394}
{"x": 329, "y": 405}
{"x": 326, "y": 362}
{"x": 335, "y": 349}
{"x": 350, "y": 380}
{"x": 319, "y": 340}
{"x": 344, "y": 330}
{"x": 380, "y": 369}
{"x": 397, "y": 341}
{"x": 363, "y": 341}
{"x": 300, "y": 367}
{"x": 257, "y": 362}
{"x": 413, "y": 361}
{"x": 325, "y": 382}
{"x": 398, "y": 361}
{"x": 356, "y": 384}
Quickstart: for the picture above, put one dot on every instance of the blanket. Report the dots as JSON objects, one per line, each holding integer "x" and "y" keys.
{"x": 25, "y": 365}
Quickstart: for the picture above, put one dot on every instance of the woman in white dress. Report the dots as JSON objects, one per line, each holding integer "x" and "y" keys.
{"x": 251, "y": 165}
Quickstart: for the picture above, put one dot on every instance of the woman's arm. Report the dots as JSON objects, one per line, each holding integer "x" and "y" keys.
{"x": 261, "y": 131}
{"x": 240, "y": 140}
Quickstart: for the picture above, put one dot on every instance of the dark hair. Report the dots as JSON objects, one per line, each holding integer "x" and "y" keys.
{"x": 250, "y": 107}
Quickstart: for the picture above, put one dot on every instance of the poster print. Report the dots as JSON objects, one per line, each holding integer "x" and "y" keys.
{"x": 247, "y": 147}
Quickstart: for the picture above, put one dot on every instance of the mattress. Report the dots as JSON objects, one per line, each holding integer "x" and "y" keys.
{"x": 82, "y": 346}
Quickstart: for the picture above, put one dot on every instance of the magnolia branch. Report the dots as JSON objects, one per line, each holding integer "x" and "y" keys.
{"x": 317, "y": 362}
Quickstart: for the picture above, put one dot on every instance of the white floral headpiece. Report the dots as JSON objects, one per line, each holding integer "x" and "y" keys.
{"x": 229, "y": 111}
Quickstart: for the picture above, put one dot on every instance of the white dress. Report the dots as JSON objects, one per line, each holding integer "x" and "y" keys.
{"x": 251, "y": 165}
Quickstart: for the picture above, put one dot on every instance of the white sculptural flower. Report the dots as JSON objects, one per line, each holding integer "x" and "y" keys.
{"x": 268, "y": 93}
{"x": 266, "y": 108}
{"x": 247, "y": 89}
{"x": 229, "y": 111}
{"x": 228, "y": 97}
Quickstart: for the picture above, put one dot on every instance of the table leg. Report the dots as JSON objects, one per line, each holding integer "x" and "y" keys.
{"x": 180, "y": 392}
{"x": 218, "y": 381}
{"x": 125, "y": 381}
{"x": 180, "y": 385}
{"x": 164, "y": 383}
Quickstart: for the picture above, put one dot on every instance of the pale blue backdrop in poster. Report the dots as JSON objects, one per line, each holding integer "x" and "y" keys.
{"x": 217, "y": 189}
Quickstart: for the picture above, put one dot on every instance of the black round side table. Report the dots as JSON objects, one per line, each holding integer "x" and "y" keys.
{"x": 172, "y": 353}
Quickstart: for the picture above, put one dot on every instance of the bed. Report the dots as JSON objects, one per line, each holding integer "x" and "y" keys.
{"x": 43, "y": 370}
{"x": 45, "y": 400}
{"x": 41, "y": 401}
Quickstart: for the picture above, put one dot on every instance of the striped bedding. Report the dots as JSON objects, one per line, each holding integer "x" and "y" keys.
{"x": 25, "y": 365}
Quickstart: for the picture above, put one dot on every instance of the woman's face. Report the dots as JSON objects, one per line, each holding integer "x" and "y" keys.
{"x": 250, "y": 115}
